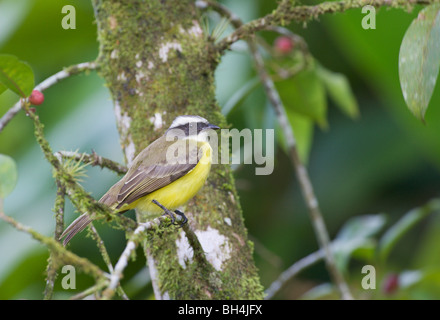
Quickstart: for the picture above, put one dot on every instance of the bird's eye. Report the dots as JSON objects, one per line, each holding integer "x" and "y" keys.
{"x": 191, "y": 125}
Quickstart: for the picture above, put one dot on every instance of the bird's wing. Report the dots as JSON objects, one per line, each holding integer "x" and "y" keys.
{"x": 144, "y": 179}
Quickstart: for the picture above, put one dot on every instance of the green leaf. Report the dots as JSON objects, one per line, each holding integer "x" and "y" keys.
{"x": 239, "y": 95}
{"x": 356, "y": 237}
{"x": 401, "y": 227}
{"x": 365, "y": 252}
{"x": 16, "y": 75}
{"x": 361, "y": 227}
{"x": 304, "y": 93}
{"x": 419, "y": 60}
{"x": 8, "y": 175}
{"x": 339, "y": 90}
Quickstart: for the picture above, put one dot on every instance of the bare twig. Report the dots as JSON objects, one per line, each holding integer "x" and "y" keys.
{"x": 88, "y": 292}
{"x": 292, "y": 271}
{"x": 301, "y": 172}
{"x": 57, "y": 77}
{"x": 122, "y": 263}
{"x": 66, "y": 73}
{"x": 10, "y": 114}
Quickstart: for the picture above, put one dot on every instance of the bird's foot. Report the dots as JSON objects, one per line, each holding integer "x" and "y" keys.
{"x": 182, "y": 215}
{"x": 171, "y": 215}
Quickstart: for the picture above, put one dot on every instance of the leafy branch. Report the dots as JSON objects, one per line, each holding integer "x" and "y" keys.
{"x": 49, "y": 82}
{"x": 288, "y": 11}
{"x": 66, "y": 175}
{"x": 357, "y": 234}
{"x": 301, "y": 171}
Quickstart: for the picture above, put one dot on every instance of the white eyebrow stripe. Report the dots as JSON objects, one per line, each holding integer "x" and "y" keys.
{"x": 182, "y": 120}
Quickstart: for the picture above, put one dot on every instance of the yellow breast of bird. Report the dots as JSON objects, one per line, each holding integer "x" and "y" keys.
{"x": 180, "y": 191}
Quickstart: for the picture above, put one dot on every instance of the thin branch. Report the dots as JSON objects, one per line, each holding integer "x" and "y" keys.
{"x": 117, "y": 273}
{"x": 59, "y": 210}
{"x": 9, "y": 115}
{"x": 82, "y": 200}
{"x": 288, "y": 12}
{"x": 101, "y": 247}
{"x": 66, "y": 73}
{"x": 88, "y": 292}
{"x": 96, "y": 160}
{"x": 136, "y": 237}
{"x": 59, "y": 224}
{"x": 51, "y": 276}
{"x": 301, "y": 172}
{"x": 54, "y": 79}
{"x": 292, "y": 271}
{"x": 193, "y": 241}
{"x": 105, "y": 256}
{"x": 93, "y": 159}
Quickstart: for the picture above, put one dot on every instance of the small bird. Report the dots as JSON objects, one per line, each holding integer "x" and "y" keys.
{"x": 158, "y": 179}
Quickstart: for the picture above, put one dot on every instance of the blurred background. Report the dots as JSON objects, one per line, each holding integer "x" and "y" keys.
{"x": 368, "y": 172}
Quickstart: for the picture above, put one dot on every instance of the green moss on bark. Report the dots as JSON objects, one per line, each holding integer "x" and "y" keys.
{"x": 157, "y": 65}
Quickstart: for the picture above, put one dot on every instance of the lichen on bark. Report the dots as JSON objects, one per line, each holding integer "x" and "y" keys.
{"x": 158, "y": 64}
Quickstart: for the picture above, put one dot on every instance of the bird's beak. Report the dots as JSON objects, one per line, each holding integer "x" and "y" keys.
{"x": 212, "y": 126}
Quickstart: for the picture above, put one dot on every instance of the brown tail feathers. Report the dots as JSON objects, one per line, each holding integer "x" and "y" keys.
{"x": 76, "y": 226}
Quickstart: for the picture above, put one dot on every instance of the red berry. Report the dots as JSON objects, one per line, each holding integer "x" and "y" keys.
{"x": 36, "y": 98}
{"x": 391, "y": 283}
{"x": 284, "y": 44}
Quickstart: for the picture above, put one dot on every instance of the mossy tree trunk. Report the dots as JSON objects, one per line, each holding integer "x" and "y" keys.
{"x": 158, "y": 64}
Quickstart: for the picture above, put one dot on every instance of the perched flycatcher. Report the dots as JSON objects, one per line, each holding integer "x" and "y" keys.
{"x": 166, "y": 174}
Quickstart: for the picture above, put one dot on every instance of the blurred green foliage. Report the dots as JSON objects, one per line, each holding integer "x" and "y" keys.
{"x": 367, "y": 172}
{"x": 419, "y": 60}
